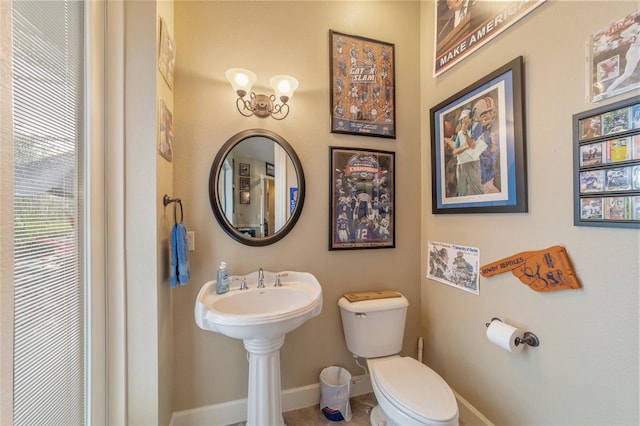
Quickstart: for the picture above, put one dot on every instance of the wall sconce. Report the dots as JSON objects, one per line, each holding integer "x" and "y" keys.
{"x": 261, "y": 105}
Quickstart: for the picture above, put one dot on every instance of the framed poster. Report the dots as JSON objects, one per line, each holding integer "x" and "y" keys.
{"x": 478, "y": 156}
{"x": 614, "y": 54}
{"x": 362, "y": 199}
{"x": 463, "y": 26}
{"x": 165, "y": 133}
{"x": 245, "y": 197}
{"x": 245, "y": 183}
{"x": 362, "y": 84}
{"x": 606, "y": 165}
{"x": 244, "y": 169}
{"x": 167, "y": 54}
{"x": 269, "y": 169}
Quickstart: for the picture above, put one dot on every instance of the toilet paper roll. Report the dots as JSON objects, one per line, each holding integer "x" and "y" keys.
{"x": 504, "y": 335}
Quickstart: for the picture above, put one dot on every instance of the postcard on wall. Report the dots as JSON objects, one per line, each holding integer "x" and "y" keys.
{"x": 463, "y": 26}
{"x": 167, "y": 54}
{"x": 614, "y": 53}
{"x": 165, "y": 134}
{"x": 454, "y": 265}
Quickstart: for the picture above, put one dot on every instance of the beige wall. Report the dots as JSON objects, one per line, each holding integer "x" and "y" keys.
{"x": 585, "y": 370}
{"x": 272, "y": 38}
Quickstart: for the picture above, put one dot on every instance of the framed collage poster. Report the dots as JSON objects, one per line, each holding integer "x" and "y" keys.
{"x": 362, "y": 200}
{"x": 478, "y": 156}
{"x": 606, "y": 159}
{"x": 362, "y": 86}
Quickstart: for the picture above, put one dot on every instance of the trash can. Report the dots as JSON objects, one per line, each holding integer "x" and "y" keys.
{"x": 335, "y": 387}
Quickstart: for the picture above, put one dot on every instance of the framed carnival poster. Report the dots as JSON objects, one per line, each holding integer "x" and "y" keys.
{"x": 362, "y": 199}
{"x": 478, "y": 156}
{"x": 362, "y": 86}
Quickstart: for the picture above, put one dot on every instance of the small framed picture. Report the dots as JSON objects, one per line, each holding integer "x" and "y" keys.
{"x": 167, "y": 54}
{"x": 244, "y": 169}
{"x": 245, "y": 197}
{"x": 165, "y": 135}
{"x": 269, "y": 169}
{"x": 244, "y": 183}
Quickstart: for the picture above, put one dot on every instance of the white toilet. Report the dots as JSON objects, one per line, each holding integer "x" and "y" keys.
{"x": 408, "y": 392}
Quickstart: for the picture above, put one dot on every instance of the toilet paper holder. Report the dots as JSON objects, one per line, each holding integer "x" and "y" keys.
{"x": 529, "y": 338}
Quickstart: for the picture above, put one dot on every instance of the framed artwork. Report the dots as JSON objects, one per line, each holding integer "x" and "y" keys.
{"x": 463, "y": 26}
{"x": 362, "y": 199}
{"x": 269, "y": 169}
{"x": 613, "y": 57}
{"x": 478, "y": 155}
{"x": 245, "y": 197}
{"x": 167, "y": 54}
{"x": 244, "y": 169}
{"x": 362, "y": 86}
{"x": 165, "y": 133}
{"x": 245, "y": 183}
{"x": 606, "y": 165}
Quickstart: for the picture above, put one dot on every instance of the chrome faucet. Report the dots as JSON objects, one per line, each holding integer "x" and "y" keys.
{"x": 260, "y": 278}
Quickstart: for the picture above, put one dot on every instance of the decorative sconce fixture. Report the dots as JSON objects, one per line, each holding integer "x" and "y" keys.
{"x": 261, "y": 105}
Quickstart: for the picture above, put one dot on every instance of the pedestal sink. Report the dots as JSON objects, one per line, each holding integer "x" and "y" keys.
{"x": 261, "y": 317}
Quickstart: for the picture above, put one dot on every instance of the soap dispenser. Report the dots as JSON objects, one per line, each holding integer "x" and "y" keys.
{"x": 222, "y": 279}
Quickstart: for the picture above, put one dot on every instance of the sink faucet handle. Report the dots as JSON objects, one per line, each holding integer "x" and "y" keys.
{"x": 278, "y": 283}
{"x": 243, "y": 282}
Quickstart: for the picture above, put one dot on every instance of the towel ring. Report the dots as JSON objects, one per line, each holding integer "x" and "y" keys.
{"x": 166, "y": 200}
{"x": 175, "y": 215}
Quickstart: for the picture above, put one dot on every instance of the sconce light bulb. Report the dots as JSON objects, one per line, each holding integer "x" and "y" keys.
{"x": 241, "y": 79}
{"x": 284, "y": 86}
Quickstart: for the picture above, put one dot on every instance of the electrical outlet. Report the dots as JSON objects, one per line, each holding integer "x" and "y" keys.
{"x": 191, "y": 237}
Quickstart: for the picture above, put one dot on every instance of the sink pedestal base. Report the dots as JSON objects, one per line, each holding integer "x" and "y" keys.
{"x": 264, "y": 405}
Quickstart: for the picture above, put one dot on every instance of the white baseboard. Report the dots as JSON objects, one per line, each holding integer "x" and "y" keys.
{"x": 231, "y": 412}
{"x": 469, "y": 415}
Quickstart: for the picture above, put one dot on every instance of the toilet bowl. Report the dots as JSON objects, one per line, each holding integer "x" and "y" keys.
{"x": 408, "y": 392}
{"x": 411, "y": 394}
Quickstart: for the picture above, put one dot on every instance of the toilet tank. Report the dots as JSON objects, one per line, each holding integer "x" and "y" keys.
{"x": 374, "y": 328}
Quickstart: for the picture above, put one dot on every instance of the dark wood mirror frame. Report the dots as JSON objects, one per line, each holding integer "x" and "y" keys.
{"x": 214, "y": 196}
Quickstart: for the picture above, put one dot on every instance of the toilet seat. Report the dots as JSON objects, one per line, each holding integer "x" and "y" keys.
{"x": 415, "y": 389}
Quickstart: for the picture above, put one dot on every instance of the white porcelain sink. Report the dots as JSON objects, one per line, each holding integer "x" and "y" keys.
{"x": 261, "y": 317}
{"x": 259, "y": 312}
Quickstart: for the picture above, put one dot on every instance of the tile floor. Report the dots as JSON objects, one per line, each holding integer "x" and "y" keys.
{"x": 361, "y": 407}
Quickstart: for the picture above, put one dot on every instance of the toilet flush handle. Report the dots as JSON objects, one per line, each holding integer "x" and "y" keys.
{"x": 361, "y": 315}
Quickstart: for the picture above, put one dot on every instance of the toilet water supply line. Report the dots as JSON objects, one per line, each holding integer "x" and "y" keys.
{"x": 366, "y": 372}
{"x": 420, "y": 343}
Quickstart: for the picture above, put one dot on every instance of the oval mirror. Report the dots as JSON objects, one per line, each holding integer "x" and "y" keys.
{"x": 256, "y": 187}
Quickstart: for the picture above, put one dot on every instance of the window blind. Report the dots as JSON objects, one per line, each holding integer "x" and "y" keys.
{"x": 49, "y": 328}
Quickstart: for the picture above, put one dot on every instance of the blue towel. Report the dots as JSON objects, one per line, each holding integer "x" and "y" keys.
{"x": 180, "y": 272}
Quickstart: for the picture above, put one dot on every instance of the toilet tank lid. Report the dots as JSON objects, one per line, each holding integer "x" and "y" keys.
{"x": 373, "y": 304}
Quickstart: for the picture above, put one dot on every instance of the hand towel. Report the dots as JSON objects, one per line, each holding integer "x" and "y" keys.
{"x": 180, "y": 271}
